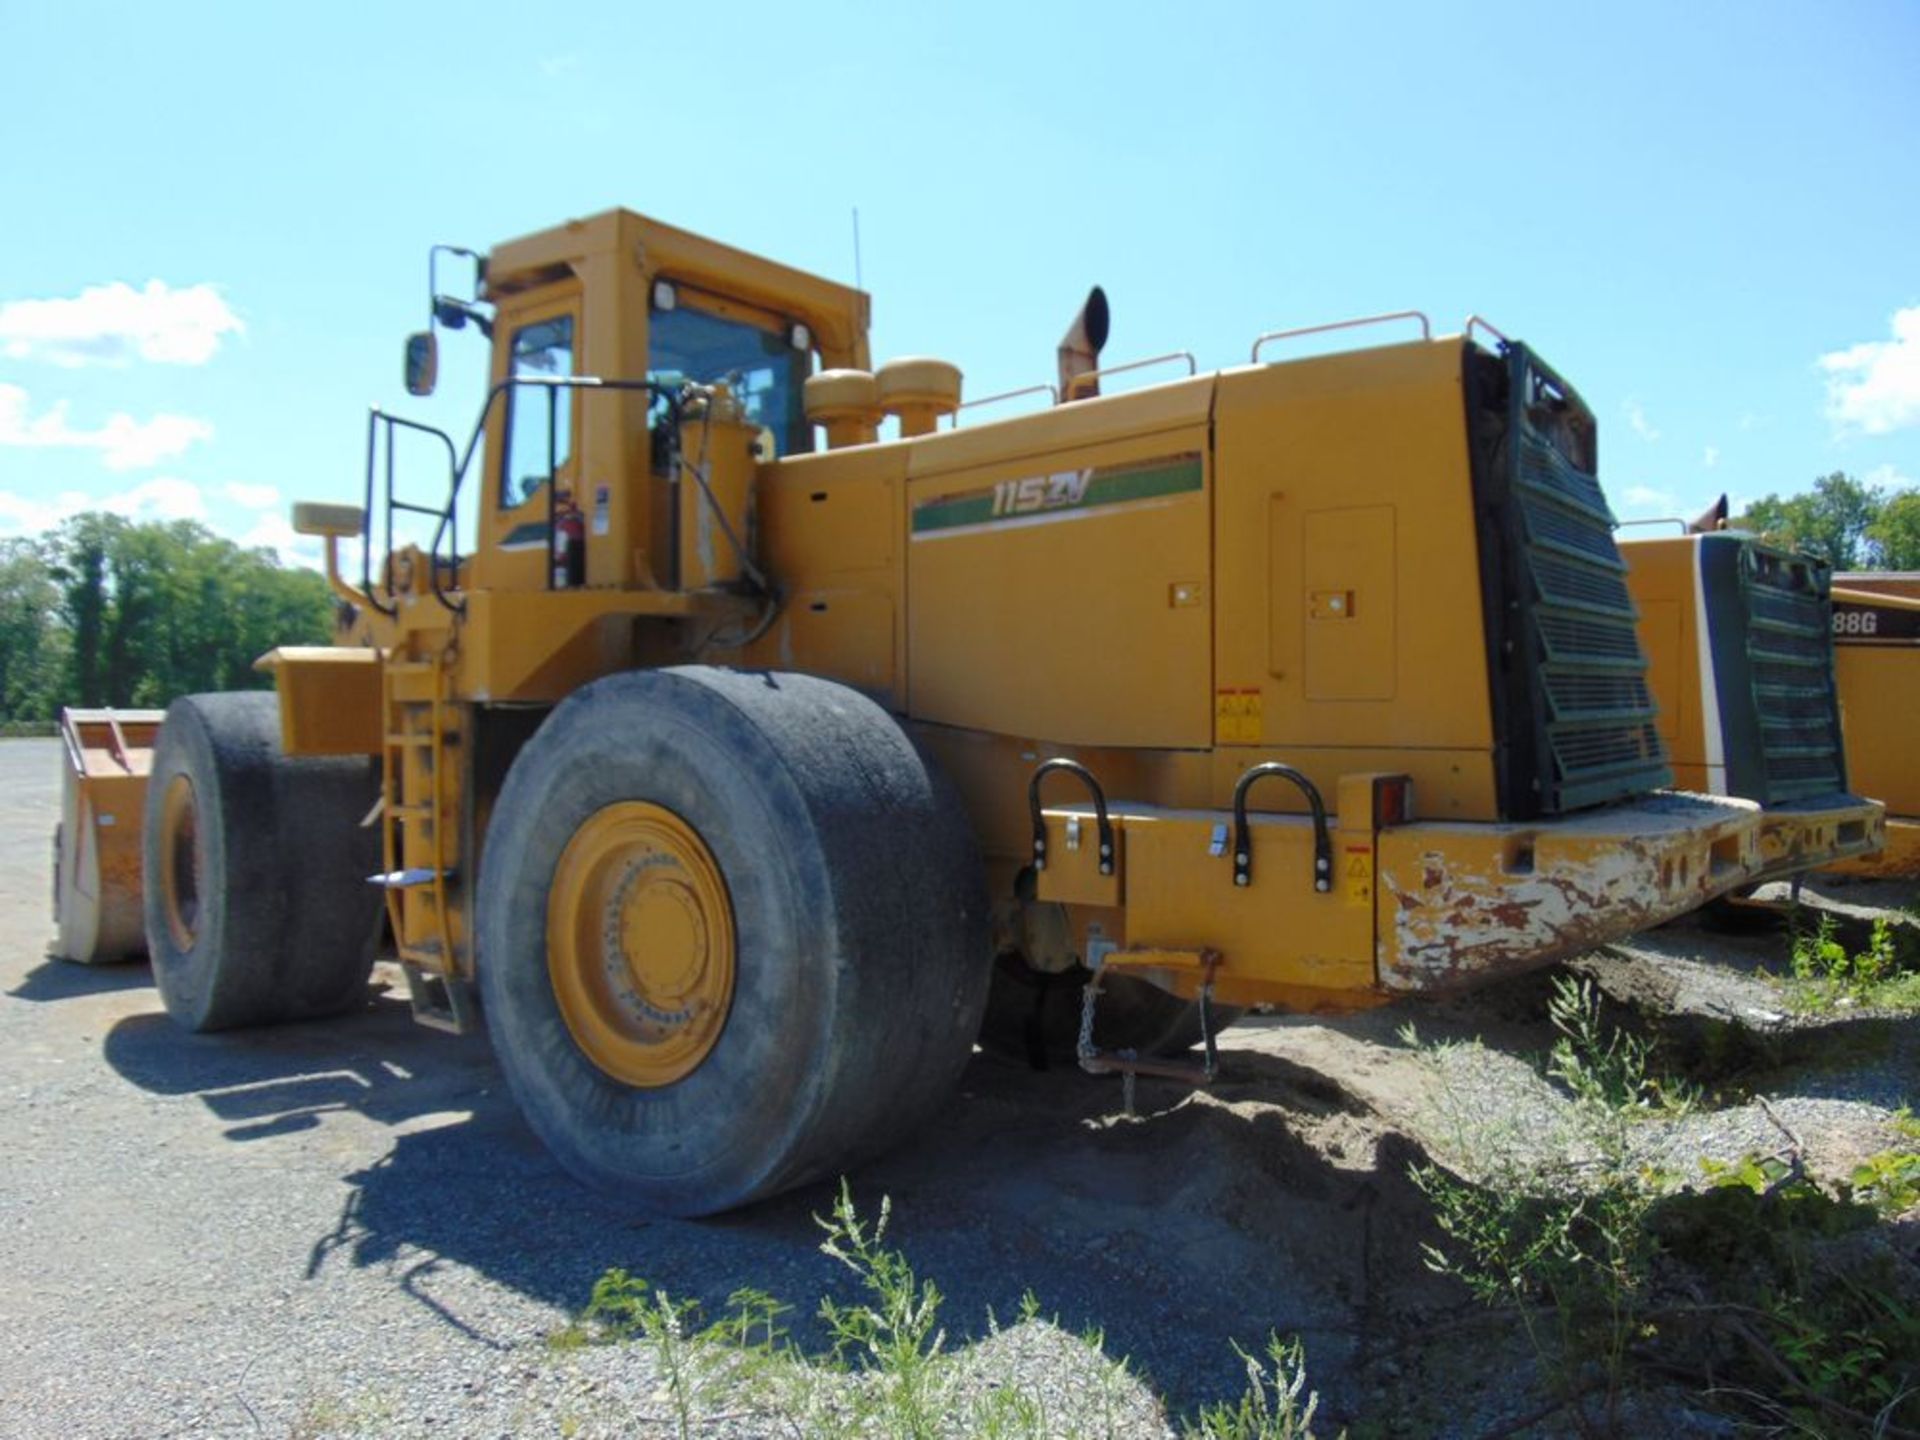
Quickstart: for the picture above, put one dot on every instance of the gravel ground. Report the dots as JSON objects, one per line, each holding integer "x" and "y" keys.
{"x": 344, "y": 1228}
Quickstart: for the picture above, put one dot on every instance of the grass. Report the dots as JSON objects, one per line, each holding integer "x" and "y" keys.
{"x": 1557, "y": 1233}
{"x": 888, "y": 1373}
{"x": 1824, "y": 975}
{"x": 1770, "y": 1297}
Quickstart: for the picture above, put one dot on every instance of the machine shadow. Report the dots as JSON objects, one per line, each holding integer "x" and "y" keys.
{"x": 374, "y": 1061}
{"x": 1202, "y": 1223}
{"x": 55, "y": 979}
{"x": 1177, "y": 1234}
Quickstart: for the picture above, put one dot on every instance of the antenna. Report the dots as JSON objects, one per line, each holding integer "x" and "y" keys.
{"x": 856, "y": 249}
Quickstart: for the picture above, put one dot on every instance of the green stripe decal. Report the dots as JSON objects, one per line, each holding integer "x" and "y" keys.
{"x": 1061, "y": 493}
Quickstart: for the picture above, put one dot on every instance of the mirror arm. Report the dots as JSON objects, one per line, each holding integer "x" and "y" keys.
{"x": 349, "y": 593}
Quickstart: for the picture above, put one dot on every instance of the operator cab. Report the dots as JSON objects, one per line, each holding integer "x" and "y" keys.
{"x": 635, "y": 311}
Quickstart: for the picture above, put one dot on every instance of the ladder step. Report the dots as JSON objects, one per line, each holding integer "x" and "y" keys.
{"x": 411, "y": 739}
{"x": 406, "y": 879}
{"x": 442, "y": 1001}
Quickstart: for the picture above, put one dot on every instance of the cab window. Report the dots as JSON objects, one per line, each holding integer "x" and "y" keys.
{"x": 539, "y": 424}
{"x": 763, "y": 370}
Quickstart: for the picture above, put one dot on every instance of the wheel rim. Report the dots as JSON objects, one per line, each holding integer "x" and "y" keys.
{"x": 180, "y": 861}
{"x": 640, "y": 944}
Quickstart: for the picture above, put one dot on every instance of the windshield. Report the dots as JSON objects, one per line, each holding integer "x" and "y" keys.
{"x": 763, "y": 370}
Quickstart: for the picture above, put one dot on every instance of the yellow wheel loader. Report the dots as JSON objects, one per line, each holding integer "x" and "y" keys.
{"x": 1876, "y": 638}
{"x": 1755, "y": 654}
{"x": 728, "y": 773}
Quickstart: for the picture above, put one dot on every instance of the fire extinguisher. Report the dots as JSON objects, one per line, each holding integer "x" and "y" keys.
{"x": 569, "y": 548}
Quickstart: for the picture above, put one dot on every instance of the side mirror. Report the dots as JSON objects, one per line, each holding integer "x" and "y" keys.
{"x": 423, "y": 363}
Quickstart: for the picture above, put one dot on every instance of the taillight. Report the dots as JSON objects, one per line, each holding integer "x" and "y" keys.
{"x": 1392, "y": 800}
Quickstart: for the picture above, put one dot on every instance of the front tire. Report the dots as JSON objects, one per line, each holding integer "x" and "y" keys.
{"x": 732, "y": 933}
{"x": 255, "y": 869}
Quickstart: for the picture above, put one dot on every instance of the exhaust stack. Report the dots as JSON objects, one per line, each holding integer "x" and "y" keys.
{"x": 1080, "y": 347}
{"x": 1711, "y": 519}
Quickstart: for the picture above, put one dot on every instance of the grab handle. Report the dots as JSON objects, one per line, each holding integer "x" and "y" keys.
{"x": 1243, "y": 839}
{"x": 1071, "y": 767}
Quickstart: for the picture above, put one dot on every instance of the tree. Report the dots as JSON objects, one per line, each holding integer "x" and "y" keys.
{"x": 1832, "y": 521}
{"x": 80, "y": 548}
{"x": 1895, "y": 532}
{"x": 33, "y": 643}
{"x": 106, "y": 612}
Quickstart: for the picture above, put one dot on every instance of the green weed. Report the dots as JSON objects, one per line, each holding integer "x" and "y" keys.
{"x": 888, "y": 1373}
{"x": 1620, "y": 1276}
{"x": 1558, "y": 1233}
{"x": 1276, "y": 1404}
{"x": 1826, "y": 975}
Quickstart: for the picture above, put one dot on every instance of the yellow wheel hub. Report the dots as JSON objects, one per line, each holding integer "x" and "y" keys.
{"x": 180, "y": 861}
{"x": 640, "y": 943}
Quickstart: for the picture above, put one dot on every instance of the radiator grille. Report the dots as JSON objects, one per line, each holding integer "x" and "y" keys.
{"x": 1600, "y": 740}
{"x": 1790, "y": 647}
{"x": 1571, "y": 701}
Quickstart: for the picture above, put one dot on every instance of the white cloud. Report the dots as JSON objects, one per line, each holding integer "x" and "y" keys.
{"x": 163, "y": 498}
{"x": 251, "y": 497}
{"x": 1649, "y": 501}
{"x": 24, "y": 515}
{"x": 1710, "y": 457}
{"x": 273, "y": 532}
{"x": 1637, "y": 419}
{"x": 112, "y": 324}
{"x": 123, "y": 442}
{"x": 1874, "y": 387}
{"x": 1886, "y": 478}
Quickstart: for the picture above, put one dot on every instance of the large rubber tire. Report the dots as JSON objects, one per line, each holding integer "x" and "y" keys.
{"x": 1035, "y": 1015}
{"x": 284, "y": 923}
{"x": 858, "y": 906}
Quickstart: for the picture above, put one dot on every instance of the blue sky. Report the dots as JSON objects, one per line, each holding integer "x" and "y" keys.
{"x": 215, "y": 218}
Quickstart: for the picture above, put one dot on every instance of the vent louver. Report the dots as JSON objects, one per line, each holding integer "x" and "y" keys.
{"x": 1574, "y": 712}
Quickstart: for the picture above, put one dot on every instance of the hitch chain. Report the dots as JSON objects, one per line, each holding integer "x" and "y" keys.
{"x": 1127, "y": 1062}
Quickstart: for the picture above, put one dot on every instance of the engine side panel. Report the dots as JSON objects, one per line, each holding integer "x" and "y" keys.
{"x": 1349, "y": 616}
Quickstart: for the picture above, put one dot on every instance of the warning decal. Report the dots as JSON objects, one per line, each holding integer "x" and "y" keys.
{"x": 1237, "y": 718}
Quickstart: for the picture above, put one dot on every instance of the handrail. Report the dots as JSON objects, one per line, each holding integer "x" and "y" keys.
{"x": 1088, "y": 377}
{"x": 378, "y": 420}
{"x": 462, "y": 462}
{"x": 1473, "y": 320}
{"x": 1426, "y": 328}
{"x": 1658, "y": 520}
{"x": 1050, "y": 391}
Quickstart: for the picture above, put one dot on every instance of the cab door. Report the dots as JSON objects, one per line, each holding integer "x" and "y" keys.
{"x": 532, "y": 468}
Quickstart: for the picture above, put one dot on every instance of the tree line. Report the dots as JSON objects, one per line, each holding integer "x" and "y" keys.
{"x": 103, "y": 611}
{"x": 1844, "y": 521}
